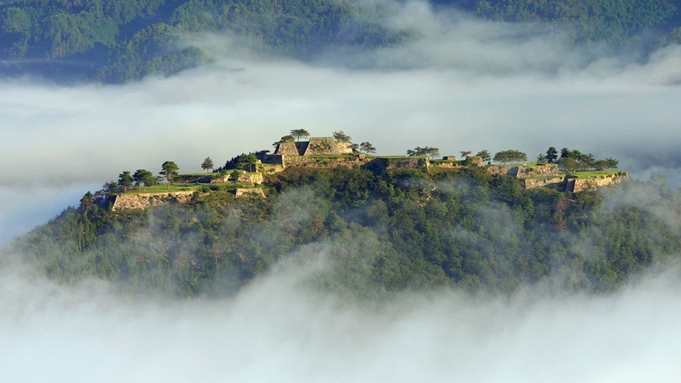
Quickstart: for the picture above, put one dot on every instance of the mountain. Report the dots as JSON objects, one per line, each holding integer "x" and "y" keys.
{"x": 124, "y": 40}
{"x": 379, "y": 232}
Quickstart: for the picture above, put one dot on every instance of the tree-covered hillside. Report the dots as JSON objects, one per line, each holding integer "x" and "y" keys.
{"x": 611, "y": 20}
{"x": 381, "y": 233}
{"x": 124, "y": 40}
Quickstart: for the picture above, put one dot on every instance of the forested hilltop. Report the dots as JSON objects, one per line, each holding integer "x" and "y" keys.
{"x": 380, "y": 232}
{"x": 124, "y": 40}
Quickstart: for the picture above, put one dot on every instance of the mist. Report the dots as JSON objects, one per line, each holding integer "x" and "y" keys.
{"x": 281, "y": 329}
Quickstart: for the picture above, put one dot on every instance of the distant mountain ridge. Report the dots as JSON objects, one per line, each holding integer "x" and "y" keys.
{"x": 124, "y": 40}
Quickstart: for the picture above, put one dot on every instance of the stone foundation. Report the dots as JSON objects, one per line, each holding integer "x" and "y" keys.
{"x": 254, "y": 192}
{"x": 145, "y": 200}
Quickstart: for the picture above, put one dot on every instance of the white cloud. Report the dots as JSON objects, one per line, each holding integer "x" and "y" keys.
{"x": 280, "y": 331}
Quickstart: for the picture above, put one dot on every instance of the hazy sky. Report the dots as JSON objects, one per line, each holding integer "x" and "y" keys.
{"x": 464, "y": 85}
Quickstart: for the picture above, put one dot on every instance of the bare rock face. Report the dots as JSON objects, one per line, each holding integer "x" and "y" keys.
{"x": 145, "y": 200}
{"x": 254, "y": 192}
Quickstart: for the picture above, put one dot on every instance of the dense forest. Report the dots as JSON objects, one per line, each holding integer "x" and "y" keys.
{"x": 380, "y": 233}
{"x": 125, "y": 40}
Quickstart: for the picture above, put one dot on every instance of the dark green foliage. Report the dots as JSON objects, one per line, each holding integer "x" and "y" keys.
{"x": 239, "y": 162}
{"x": 385, "y": 232}
{"x": 612, "y": 20}
{"x": 507, "y": 156}
{"x": 125, "y": 40}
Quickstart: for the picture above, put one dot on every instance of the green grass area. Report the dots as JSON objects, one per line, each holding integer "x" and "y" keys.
{"x": 528, "y": 164}
{"x": 546, "y": 177}
{"x": 329, "y": 156}
{"x": 163, "y": 188}
{"x": 196, "y": 174}
{"x": 593, "y": 173}
{"x": 405, "y": 157}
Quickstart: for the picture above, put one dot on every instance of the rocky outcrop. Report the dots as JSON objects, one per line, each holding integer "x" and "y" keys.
{"x": 145, "y": 200}
{"x": 252, "y": 192}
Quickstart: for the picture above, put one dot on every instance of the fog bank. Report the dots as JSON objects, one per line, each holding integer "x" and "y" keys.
{"x": 279, "y": 330}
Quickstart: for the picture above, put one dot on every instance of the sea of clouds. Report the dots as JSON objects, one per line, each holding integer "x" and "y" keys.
{"x": 278, "y": 329}
{"x": 464, "y": 84}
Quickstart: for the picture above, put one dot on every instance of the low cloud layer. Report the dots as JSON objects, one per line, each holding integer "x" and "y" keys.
{"x": 278, "y": 330}
{"x": 464, "y": 84}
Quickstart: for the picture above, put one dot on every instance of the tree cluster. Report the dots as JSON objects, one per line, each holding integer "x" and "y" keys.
{"x": 239, "y": 162}
{"x": 575, "y": 160}
{"x": 424, "y": 151}
{"x": 510, "y": 156}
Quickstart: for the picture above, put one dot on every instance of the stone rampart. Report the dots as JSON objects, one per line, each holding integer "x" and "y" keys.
{"x": 531, "y": 183}
{"x": 580, "y": 184}
{"x": 522, "y": 171}
{"x": 274, "y": 159}
{"x": 254, "y": 178}
{"x": 447, "y": 165}
{"x": 253, "y": 192}
{"x": 145, "y": 200}
{"x": 272, "y": 168}
{"x": 344, "y": 148}
{"x": 287, "y": 148}
{"x": 321, "y": 145}
{"x": 326, "y": 162}
{"x": 388, "y": 163}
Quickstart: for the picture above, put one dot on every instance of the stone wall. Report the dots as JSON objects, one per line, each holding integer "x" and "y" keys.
{"x": 477, "y": 161}
{"x": 446, "y": 165}
{"x": 220, "y": 179}
{"x": 521, "y": 171}
{"x": 531, "y": 183}
{"x": 344, "y": 148}
{"x": 275, "y": 159}
{"x": 321, "y": 145}
{"x": 580, "y": 184}
{"x": 316, "y": 145}
{"x": 145, "y": 200}
{"x": 387, "y": 163}
{"x": 287, "y": 148}
{"x": 254, "y": 178}
{"x": 327, "y": 162}
{"x": 272, "y": 168}
{"x": 254, "y": 192}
